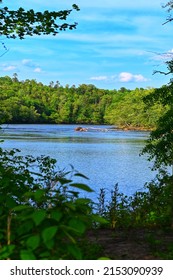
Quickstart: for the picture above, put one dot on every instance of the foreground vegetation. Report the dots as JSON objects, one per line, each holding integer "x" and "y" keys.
{"x": 42, "y": 215}
{"x": 32, "y": 102}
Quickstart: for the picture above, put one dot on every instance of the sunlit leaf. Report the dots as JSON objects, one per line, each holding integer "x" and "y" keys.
{"x": 82, "y": 187}
{"x": 27, "y": 255}
{"x": 38, "y": 216}
{"x": 49, "y": 233}
{"x": 33, "y": 242}
{"x": 77, "y": 225}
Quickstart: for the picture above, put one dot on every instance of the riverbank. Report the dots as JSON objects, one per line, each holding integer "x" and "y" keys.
{"x": 113, "y": 128}
{"x": 134, "y": 128}
{"x": 132, "y": 244}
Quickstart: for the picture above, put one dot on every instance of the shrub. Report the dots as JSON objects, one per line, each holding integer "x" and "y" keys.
{"x": 42, "y": 215}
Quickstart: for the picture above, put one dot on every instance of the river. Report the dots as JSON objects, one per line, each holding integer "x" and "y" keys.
{"x": 104, "y": 155}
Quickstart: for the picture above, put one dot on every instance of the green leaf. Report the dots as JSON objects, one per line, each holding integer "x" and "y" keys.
{"x": 77, "y": 225}
{"x": 99, "y": 219}
{"x": 38, "y": 216}
{"x": 83, "y": 201}
{"x": 10, "y": 202}
{"x": 6, "y": 251}
{"x": 76, "y": 7}
{"x": 1, "y": 235}
{"x": 64, "y": 181}
{"x": 2, "y": 197}
{"x": 49, "y": 244}
{"x": 25, "y": 227}
{"x": 27, "y": 255}
{"x": 21, "y": 207}
{"x": 74, "y": 251}
{"x": 39, "y": 194}
{"x": 82, "y": 187}
{"x": 56, "y": 215}
{"x": 33, "y": 242}
{"x": 66, "y": 231}
{"x": 49, "y": 233}
{"x": 81, "y": 175}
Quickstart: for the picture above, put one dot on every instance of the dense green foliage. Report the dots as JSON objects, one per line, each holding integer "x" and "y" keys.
{"x": 32, "y": 102}
{"x": 160, "y": 143}
{"x": 41, "y": 213}
{"x": 159, "y": 146}
{"x": 151, "y": 207}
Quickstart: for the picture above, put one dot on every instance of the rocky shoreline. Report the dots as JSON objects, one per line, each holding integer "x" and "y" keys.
{"x": 123, "y": 128}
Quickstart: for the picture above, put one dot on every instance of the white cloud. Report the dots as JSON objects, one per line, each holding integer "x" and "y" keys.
{"x": 139, "y": 78}
{"x": 113, "y": 37}
{"x": 127, "y": 77}
{"x": 9, "y": 68}
{"x": 37, "y": 70}
{"x": 99, "y": 78}
{"x": 28, "y": 63}
{"x": 165, "y": 56}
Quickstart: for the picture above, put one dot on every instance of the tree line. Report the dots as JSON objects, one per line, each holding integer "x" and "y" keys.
{"x": 30, "y": 101}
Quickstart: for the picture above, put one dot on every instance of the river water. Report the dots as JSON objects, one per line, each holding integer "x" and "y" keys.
{"x": 104, "y": 155}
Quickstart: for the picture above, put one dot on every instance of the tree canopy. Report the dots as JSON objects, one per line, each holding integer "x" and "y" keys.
{"x": 160, "y": 144}
{"x": 169, "y": 7}
{"x": 21, "y": 23}
{"x": 29, "y": 101}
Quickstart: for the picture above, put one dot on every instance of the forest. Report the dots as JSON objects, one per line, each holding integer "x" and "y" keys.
{"x": 30, "y": 101}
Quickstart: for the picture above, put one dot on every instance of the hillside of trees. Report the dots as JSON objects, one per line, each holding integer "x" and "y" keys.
{"x": 30, "y": 101}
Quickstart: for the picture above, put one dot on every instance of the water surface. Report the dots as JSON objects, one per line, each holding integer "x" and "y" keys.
{"x": 104, "y": 155}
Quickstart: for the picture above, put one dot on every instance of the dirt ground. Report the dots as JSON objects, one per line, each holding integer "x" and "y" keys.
{"x": 133, "y": 244}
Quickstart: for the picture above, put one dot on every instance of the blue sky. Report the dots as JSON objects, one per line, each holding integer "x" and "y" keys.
{"x": 116, "y": 44}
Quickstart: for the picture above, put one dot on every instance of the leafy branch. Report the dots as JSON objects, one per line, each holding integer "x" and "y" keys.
{"x": 21, "y": 23}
